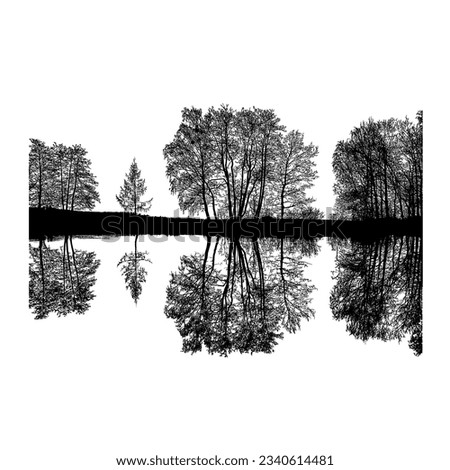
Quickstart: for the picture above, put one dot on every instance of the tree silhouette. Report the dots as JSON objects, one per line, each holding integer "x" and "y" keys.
{"x": 237, "y": 164}
{"x": 379, "y": 289}
{"x": 39, "y": 177}
{"x": 189, "y": 165}
{"x": 293, "y": 175}
{"x": 233, "y": 298}
{"x": 292, "y": 289}
{"x": 378, "y": 170}
{"x": 61, "y": 279}
{"x": 133, "y": 272}
{"x": 132, "y": 190}
{"x": 61, "y": 177}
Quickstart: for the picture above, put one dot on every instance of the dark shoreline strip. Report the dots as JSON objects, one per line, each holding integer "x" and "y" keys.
{"x": 49, "y": 223}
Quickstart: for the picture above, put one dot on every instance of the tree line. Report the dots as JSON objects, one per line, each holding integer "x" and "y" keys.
{"x": 378, "y": 170}
{"x": 244, "y": 164}
{"x": 235, "y": 164}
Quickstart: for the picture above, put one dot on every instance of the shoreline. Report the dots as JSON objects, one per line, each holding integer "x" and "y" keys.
{"x": 48, "y": 223}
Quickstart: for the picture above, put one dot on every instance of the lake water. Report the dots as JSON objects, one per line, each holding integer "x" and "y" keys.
{"x": 200, "y": 295}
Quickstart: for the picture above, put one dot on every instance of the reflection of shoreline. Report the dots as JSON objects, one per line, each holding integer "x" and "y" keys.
{"x": 61, "y": 279}
{"x": 240, "y": 296}
{"x": 53, "y": 222}
{"x": 379, "y": 289}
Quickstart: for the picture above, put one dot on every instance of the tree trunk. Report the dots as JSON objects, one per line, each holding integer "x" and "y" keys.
{"x": 61, "y": 167}
{"x": 205, "y": 203}
{"x": 68, "y": 184}
{"x": 40, "y": 181}
{"x": 41, "y": 263}
{"x": 262, "y": 185}
{"x": 75, "y": 185}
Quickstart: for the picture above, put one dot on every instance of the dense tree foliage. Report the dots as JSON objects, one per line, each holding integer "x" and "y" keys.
{"x": 132, "y": 191}
{"x": 379, "y": 289}
{"x": 61, "y": 177}
{"x": 241, "y": 295}
{"x": 61, "y": 279}
{"x": 230, "y": 163}
{"x": 378, "y": 170}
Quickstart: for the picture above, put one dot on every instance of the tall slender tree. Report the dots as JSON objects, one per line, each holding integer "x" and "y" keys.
{"x": 132, "y": 191}
{"x": 39, "y": 173}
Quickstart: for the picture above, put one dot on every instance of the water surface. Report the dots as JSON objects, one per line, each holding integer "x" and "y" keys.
{"x": 242, "y": 296}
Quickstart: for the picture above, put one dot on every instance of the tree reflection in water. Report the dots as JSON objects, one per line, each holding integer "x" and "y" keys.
{"x": 132, "y": 271}
{"x": 61, "y": 279}
{"x": 379, "y": 289}
{"x": 240, "y": 295}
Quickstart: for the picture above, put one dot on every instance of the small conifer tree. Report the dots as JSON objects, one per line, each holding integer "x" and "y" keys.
{"x": 132, "y": 190}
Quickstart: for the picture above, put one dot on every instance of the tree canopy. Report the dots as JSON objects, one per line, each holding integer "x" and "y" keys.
{"x": 230, "y": 163}
{"x": 61, "y": 177}
{"x": 378, "y": 170}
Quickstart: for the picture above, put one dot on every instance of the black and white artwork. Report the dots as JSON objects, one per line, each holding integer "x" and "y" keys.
{"x": 222, "y": 236}
{"x": 246, "y": 180}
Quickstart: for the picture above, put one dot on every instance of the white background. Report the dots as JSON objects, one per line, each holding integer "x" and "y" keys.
{"x": 113, "y": 77}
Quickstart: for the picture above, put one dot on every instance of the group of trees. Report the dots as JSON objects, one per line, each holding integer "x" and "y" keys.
{"x": 235, "y": 164}
{"x": 379, "y": 289}
{"x": 240, "y": 295}
{"x": 61, "y": 279}
{"x": 378, "y": 170}
{"x": 61, "y": 177}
